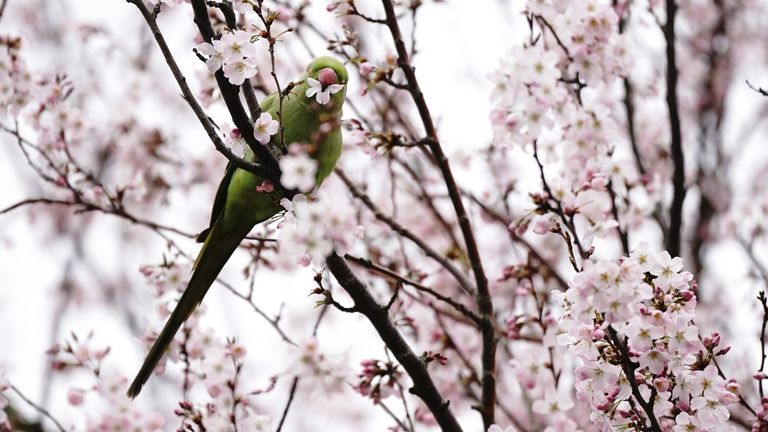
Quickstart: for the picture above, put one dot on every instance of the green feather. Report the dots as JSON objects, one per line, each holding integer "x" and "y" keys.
{"x": 237, "y": 207}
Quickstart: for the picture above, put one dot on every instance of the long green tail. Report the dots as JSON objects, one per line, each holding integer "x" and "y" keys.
{"x": 215, "y": 252}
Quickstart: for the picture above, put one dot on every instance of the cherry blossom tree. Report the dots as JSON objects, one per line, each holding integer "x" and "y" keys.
{"x": 580, "y": 248}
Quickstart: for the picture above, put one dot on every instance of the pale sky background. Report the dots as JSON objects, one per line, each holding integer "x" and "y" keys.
{"x": 454, "y": 58}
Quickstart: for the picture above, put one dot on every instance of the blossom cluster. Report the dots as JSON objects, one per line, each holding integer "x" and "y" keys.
{"x": 316, "y": 226}
{"x": 205, "y": 359}
{"x": 235, "y": 53}
{"x": 588, "y": 33}
{"x": 378, "y": 380}
{"x": 298, "y": 168}
{"x": 104, "y": 403}
{"x": 631, "y": 325}
{"x": 548, "y": 96}
{"x": 43, "y": 103}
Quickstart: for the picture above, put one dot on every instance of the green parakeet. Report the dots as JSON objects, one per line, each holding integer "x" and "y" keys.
{"x": 311, "y": 114}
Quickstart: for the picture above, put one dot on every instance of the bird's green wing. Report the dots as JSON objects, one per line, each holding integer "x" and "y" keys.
{"x": 217, "y": 249}
{"x": 219, "y": 201}
{"x": 269, "y": 104}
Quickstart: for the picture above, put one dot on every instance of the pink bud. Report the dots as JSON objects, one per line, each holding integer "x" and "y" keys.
{"x": 727, "y": 398}
{"x": 723, "y": 351}
{"x": 365, "y": 68}
{"x": 214, "y": 390}
{"x": 716, "y": 338}
{"x": 512, "y": 121}
{"x": 759, "y": 376}
{"x": 304, "y": 260}
{"x": 732, "y": 386}
{"x": 265, "y": 187}
{"x": 332, "y": 6}
{"x": 639, "y": 378}
{"x": 100, "y": 354}
{"x": 614, "y": 392}
{"x": 75, "y": 397}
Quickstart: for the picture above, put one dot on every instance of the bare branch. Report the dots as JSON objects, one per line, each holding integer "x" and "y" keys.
{"x": 423, "y": 386}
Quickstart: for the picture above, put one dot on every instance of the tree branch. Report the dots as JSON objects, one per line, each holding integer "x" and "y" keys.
{"x": 423, "y": 386}
{"x": 231, "y": 95}
{"x": 678, "y": 176}
{"x": 483, "y": 298}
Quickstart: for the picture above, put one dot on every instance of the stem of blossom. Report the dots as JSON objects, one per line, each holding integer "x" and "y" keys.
{"x": 423, "y": 386}
{"x": 190, "y": 98}
{"x": 395, "y": 226}
{"x": 280, "y": 96}
{"x": 483, "y": 298}
{"x": 38, "y": 408}
{"x": 394, "y": 417}
{"x": 2, "y": 8}
{"x": 568, "y": 222}
{"x": 678, "y": 176}
{"x": 231, "y": 95}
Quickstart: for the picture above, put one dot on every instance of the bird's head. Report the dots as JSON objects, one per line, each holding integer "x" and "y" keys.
{"x": 325, "y": 83}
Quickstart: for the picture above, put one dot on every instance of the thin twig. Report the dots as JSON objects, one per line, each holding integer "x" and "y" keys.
{"x": 395, "y": 226}
{"x": 760, "y": 90}
{"x": 2, "y": 8}
{"x": 385, "y": 271}
{"x": 291, "y": 395}
{"x": 38, "y": 408}
{"x": 764, "y": 304}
